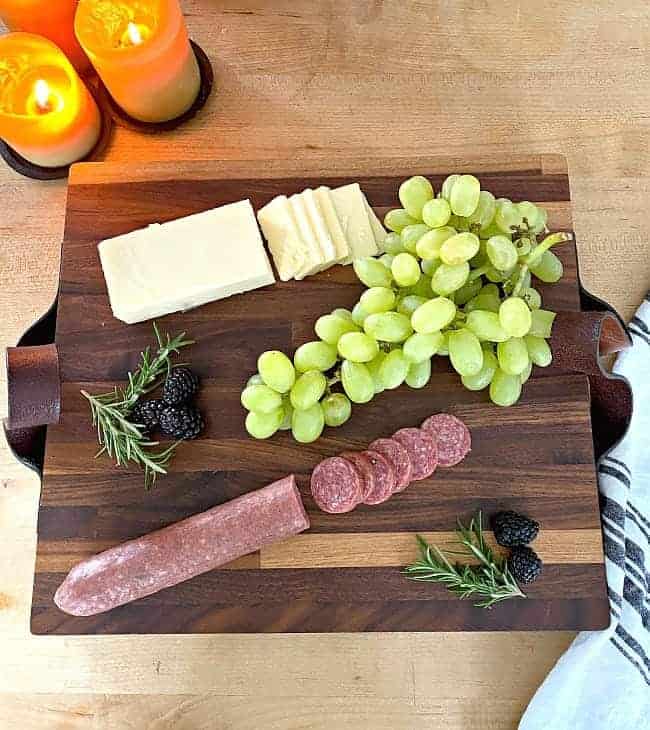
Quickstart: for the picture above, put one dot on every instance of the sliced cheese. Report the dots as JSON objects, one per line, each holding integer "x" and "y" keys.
{"x": 350, "y": 206}
{"x": 283, "y": 237}
{"x": 314, "y": 259}
{"x": 378, "y": 229}
{"x": 326, "y": 206}
{"x": 319, "y": 227}
{"x": 185, "y": 263}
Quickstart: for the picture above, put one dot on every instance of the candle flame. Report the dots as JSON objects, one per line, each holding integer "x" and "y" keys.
{"x": 134, "y": 34}
{"x": 42, "y": 94}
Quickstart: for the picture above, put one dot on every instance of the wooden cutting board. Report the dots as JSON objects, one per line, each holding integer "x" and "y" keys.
{"x": 344, "y": 574}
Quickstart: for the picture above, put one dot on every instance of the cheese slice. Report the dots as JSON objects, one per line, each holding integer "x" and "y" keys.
{"x": 185, "y": 263}
{"x": 378, "y": 229}
{"x": 283, "y": 237}
{"x": 326, "y": 206}
{"x": 319, "y": 227}
{"x": 350, "y": 206}
{"x": 314, "y": 259}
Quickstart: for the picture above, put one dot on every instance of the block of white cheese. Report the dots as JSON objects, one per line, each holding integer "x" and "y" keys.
{"x": 282, "y": 234}
{"x": 350, "y": 205}
{"x": 185, "y": 263}
{"x": 378, "y": 229}
{"x": 314, "y": 258}
{"x": 320, "y": 229}
{"x": 326, "y": 206}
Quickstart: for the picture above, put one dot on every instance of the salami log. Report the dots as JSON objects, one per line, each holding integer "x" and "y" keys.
{"x": 200, "y": 543}
{"x": 421, "y": 450}
{"x": 398, "y": 456}
{"x": 452, "y": 438}
{"x": 363, "y": 466}
{"x": 384, "y": 478}
{"x": 336, "y": 485}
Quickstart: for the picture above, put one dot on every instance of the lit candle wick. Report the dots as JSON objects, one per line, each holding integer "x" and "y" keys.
{"x": 134, "y": 34}
{"x": 42, "y": 95}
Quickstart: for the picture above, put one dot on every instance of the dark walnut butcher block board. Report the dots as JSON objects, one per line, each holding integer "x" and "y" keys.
{"x": 344, "y": 573}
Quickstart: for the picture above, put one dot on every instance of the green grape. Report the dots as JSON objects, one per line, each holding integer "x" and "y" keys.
{"x": 408, "y": 304}
{"x": 276, "y": 370}
{"x": 378, "y": 298}
{"x": 480, "y": 259}
{"x": 496, "y": 276}
{"x": 264, "y": 425}
{"x": 433, "y": 315}
{"x": 428, "y": 247}
{"x": 397, "y": 220}
{"x": 507, "y": 216}
{"x": 357, "y": 382}
{"x": 330, "y": 327}
{"x": 484, "y": 376}
{"x": 411, "y": 235}
{"x": 526, "y": 372}
{"x": 459, "y": 248}
{"x": 388, "y": 326}
{"x": 307, "y": 390}
{"x": 343, "y": 313}
{"x": 337, "y": 409}
{"x": 405, "y": 269}
{"x": 287, "y": 410}
{"x": 487, "y": 299}
{"x": 260, "y": 398}
{"x": 386, "y": 259}
{"x": 501, "y": 252}
{"x": 538, "y": 350}
{"x": 359, "y": 314}
{"x": 530, "y": 213}
{"x": 464, "y": 195}
{"x": 447, "y": 185}
{"x": 513, "y": 355}
{"x": 373, "y": 368}
{"x": 393, "y": 243}
{"x": 465, "y": 352}
{"x": 515, "y": 317}
{"x": 486, "y": 326}
{"x": 447, "y": 279}
{"x": 541, "y": 323}
{"x": 444, "y": 347}
{"x": 255, "y": 380}
{"x": 467, "y": 291}
{"x": 372, "y": 272}
{"x": 494, "y": 230}
{"x": 505, "y": 389}
{"x": 315, "y": 355}
{"x": 542, "y": 217}
{"x": 422, "y": 288}
{"x": 414, "y": 193}
{"x": 436, "y": 213}
{"x": 523, "y": 246}
{"x": 428, "y": 266}
{"x": 532, "y": 298}
{"x": 307, "y": 425}
{"x": 485, "y": 210}
{"x": 418, "y": 374}
{"x": 394, "y": 369}
{"x": 420, "y": 346}
{"x": 357, "y": 347}
{"x": 548, "y": 268}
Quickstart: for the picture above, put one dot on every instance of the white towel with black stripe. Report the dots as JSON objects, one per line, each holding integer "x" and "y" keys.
{"x": 603, "y": 681}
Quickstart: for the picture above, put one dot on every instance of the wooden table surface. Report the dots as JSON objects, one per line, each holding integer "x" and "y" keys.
{"x": 317, "y": 79}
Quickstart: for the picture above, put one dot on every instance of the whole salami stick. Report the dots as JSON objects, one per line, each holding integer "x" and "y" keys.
{"x": 200, "y": 543}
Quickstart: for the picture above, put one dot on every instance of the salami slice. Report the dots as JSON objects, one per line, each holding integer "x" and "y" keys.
{"x": 336, "y": 485}
{"x": 421, "y": 449}
{"x": 362, "y": 464}
{"x": 452, "y": 438}
{"x": 385, "y": 479}
{"x": 398, "y": 456}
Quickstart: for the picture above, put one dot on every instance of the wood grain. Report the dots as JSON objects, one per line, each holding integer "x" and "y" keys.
{"x": 565, "y": 85}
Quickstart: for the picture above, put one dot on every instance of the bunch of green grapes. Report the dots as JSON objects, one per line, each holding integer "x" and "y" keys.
{"x": 455, "y": 280}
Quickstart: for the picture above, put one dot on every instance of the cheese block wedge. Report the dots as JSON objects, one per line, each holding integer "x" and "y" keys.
{"x": 314, "y": 258}
{"x": 378, "y": 229}
{"x": 350, "y": 205}
{"x": 282, "y": 234}
{"x": 324, "y": 201}
{"x": 184, "y": 263}
{"x": 319, "y": 228}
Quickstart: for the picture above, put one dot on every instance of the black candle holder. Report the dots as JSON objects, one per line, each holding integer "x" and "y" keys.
{"x": 122, "y": 119}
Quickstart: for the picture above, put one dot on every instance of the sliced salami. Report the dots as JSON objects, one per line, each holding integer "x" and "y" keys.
{"x": 336, "y": 485}
{"x": 398, "y": 456}
{"x": 361, "y": 463}
{"x": 452, "y": 438}
{"x": 421, "y": 449}
{"x": 385, "y": 480}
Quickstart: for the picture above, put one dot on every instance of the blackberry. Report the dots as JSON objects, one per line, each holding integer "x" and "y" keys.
{"x": 180, "y": 387}
{"x": 181, "y": 422}
{"x": 524, "y": 563}
{"x": 512, "y": 529}
{"x": 146, "y": 413}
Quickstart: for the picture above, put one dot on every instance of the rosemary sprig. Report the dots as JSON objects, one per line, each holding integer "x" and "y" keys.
{"x": 122, "y": 440}
{"x": 491, "y": 580}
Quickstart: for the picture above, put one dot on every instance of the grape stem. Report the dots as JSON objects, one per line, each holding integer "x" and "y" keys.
{"x": 555, "y": 238}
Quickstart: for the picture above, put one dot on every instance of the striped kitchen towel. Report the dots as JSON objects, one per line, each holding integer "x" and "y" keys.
{"x": 603, "y": 681}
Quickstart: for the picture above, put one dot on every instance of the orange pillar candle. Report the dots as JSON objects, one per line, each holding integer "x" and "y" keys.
{"x": 142, "y": 53}
{"x": 53, "y": 19}
{"x": 47, "y": 115}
